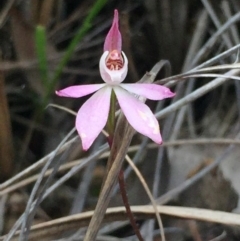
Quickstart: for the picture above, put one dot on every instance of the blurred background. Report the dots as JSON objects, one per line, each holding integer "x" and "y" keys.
{"x": 35, "y": 36}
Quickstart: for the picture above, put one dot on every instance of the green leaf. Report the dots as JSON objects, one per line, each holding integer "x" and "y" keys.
{"x": 41, "y": 43}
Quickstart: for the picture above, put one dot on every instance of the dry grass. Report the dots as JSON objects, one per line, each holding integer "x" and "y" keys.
{"x": 190, "y": 46}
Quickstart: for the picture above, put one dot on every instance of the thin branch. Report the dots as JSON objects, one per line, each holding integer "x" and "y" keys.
{"x": 54, "y": 227}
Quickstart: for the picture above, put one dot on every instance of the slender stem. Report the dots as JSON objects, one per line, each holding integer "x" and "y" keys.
{"x": 130, "y": 215}
{"x": 121, "y": 181}
{"x": 111, "y": 118}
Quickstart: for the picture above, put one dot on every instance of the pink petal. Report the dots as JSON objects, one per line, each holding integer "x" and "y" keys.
{"x": 79, "y": 90}
{"x": 112, "y": 76}
{"x": 92, "y": 116}
{"x": 150, "y": 91}
{"x": 138, "y": 115}
{"x": 114, "y": 38}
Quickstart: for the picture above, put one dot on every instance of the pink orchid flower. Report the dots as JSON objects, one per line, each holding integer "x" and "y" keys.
{"x": 92, "y": 116}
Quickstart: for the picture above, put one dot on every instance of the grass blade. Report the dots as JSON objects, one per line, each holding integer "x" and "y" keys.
{"x": 41, "y": 44}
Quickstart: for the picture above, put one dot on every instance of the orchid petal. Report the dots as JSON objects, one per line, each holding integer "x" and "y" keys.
{"x": 113, "y": 76}
{"x": 79, "y": 90}
{"x": 138, "y": 115}
{"x": 150, "y": 91}
{"x": 114, "y": 38}
{"x": 92, "y": 116}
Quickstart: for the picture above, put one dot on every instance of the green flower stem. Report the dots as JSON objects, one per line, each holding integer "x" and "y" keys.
{"x": 111, "y": 118}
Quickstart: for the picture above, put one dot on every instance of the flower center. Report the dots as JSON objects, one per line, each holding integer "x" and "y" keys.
{"x": 114, "y": 60}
